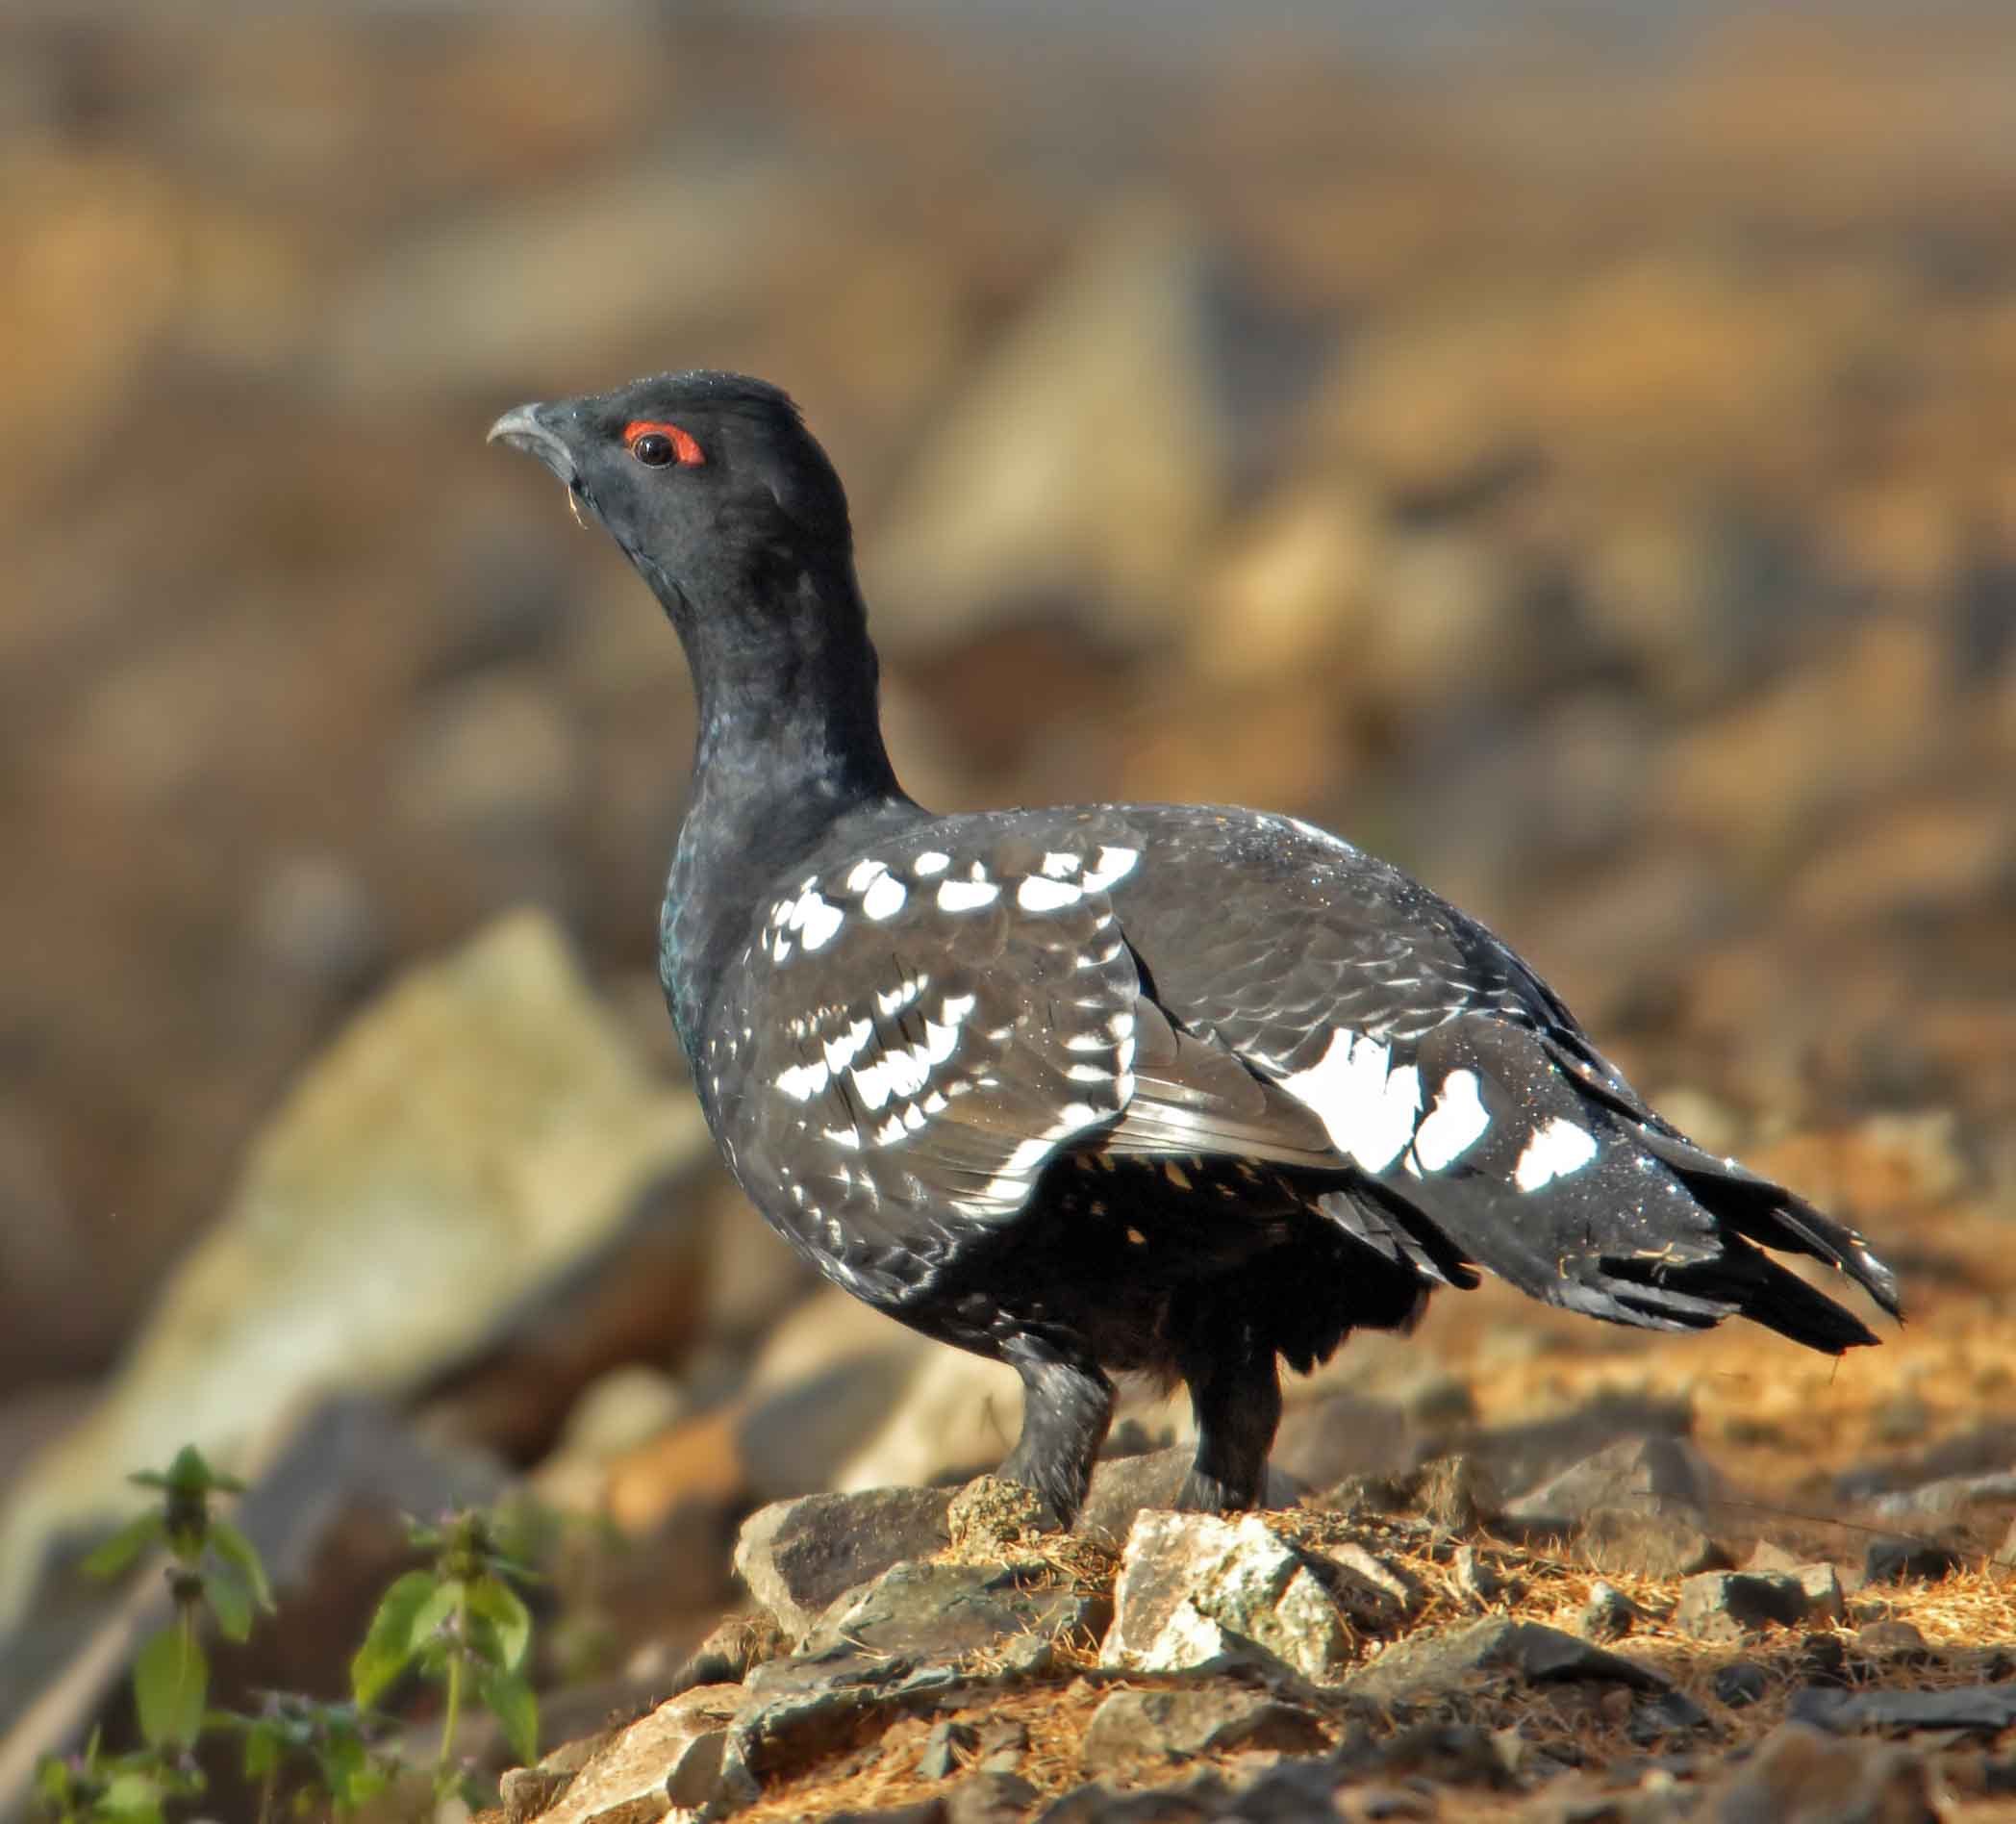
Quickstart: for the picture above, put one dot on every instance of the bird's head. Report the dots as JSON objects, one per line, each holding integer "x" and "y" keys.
{"x": 708, "y": 482}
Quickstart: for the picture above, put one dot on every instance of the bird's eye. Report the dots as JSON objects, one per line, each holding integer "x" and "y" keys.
{"x": 659, "y": 446}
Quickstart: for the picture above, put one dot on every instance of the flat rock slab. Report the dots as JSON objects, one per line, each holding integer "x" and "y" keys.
{"x": 1426, "y": 1666}
{"x": 1156, "y": 1726}
{"x": 1195, "y": 1589}
{"x": 927, "y": 1610}
{"x": 797, "y": 1557}
{"x": 1987, "y": 1708}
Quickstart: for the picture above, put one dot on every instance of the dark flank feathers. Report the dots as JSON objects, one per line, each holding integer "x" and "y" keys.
{"x": 1185, "y": 1090}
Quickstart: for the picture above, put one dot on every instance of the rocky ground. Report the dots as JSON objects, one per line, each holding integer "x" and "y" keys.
{"x": 1589, "y": 480}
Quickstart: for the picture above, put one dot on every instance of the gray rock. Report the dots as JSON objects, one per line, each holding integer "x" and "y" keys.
{"x": 671, "y": 1757}
{"x": 1429, "y": 1666}
{"x": 942, "y": 1748}
{"x": 1522, "y": 1458}
{"x": 799, "y": 1556}
{"x": 1947, "y": 1496}
{"x": 1800, "y": 1775}
{"x": 1152, "y": 1726}
{"x": 1669, "y": 1713}
{"x": 1126, "y": 1487}
{"x": 1656, "y": 1472}
{"x": 1908, "y": 1561}
{"x": 1107, "y": 376}
{"x": 1609, "y": 1614}
{"x": 935, "y": 1613}
{"x": 1892, "y": 1639}
{"x": 1193, "y": 1587}
{"x": 1728, "y": 1606}
{"x": 1320, "y": 1443}
{"x": 475, "y": 1133}
{"x": 1646, "y": 1542}
{"x": 1986, "y": 1708}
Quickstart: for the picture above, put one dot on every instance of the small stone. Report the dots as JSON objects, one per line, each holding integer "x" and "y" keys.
{"x": 993, "y": 1517}
{"x": 1891, "y": 1639}
{"x": 1668, "y": 1713}
{"x": 944, "y": 1748}
{"x": 1473, "y": 1578}
{"x": 1908, "y": 1561}
{"x": 1741, "y": 1683}
{"x": 1726, "y": 1606}
{"x": 1609, "y": 1614}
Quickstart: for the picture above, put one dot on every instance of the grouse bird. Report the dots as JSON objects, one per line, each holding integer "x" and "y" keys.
{"x": 1183, "y": 1089}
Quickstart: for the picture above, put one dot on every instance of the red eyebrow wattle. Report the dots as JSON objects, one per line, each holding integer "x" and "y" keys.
{"x": 682, "y": 446}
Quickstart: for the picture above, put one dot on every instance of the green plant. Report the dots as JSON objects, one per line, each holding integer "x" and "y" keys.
{"x": 461, "y": 1625}
{"x": 458, "y": 1622}
{"x": 95, "y": 1787}
{"x": 213, "y": 1565}
{"x": 334, "y": 1740}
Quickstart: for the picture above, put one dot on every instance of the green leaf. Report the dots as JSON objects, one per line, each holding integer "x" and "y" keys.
{"x": 495, "y": 1602}
{"x": 264, "y": 1750}
{"x": 170, "y": 1678}
{"x": 133, "y": 1798}
{"x": 239, "y": 1552}
{"x": 229, "y": 1600}
{"x": 118, "y": 1553}
{"x": 447, "y": 1599}
{"x": 388, "y": 1643}
{"x": 508, "y": 1697}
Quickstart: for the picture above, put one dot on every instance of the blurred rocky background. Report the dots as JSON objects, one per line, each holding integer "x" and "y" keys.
{"x": 1573, "y": 454}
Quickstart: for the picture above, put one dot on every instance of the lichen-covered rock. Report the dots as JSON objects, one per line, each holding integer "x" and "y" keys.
{"x": 1193, "y": 1586}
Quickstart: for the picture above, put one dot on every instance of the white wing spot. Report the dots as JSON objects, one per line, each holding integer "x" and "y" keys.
{"x": 864, "y": 873}
{"x": 781, "y": 949}
{"x": 1040, "y": 894}
{"x": 839, "y": 1052}
{"x": 1558, "y": 1147}
{"x": 900, "y": 996}
{"x": 883, "y": 898}
{"x": 802, "y": 1081}
{"x": 931, "y": 862}
{"x": 849, "y": 1137}
{"x": 1456, "y": 1122}
{"x": 1113, "y": 864}
{"x": 965, "y": 896}
{"x": 1368, "y": 1107}
{"x": 815, "y": 918}
{"x": 1058, "y": 865}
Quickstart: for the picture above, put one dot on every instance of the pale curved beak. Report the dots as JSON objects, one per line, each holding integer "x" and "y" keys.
{"x": 523, "y": 428}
